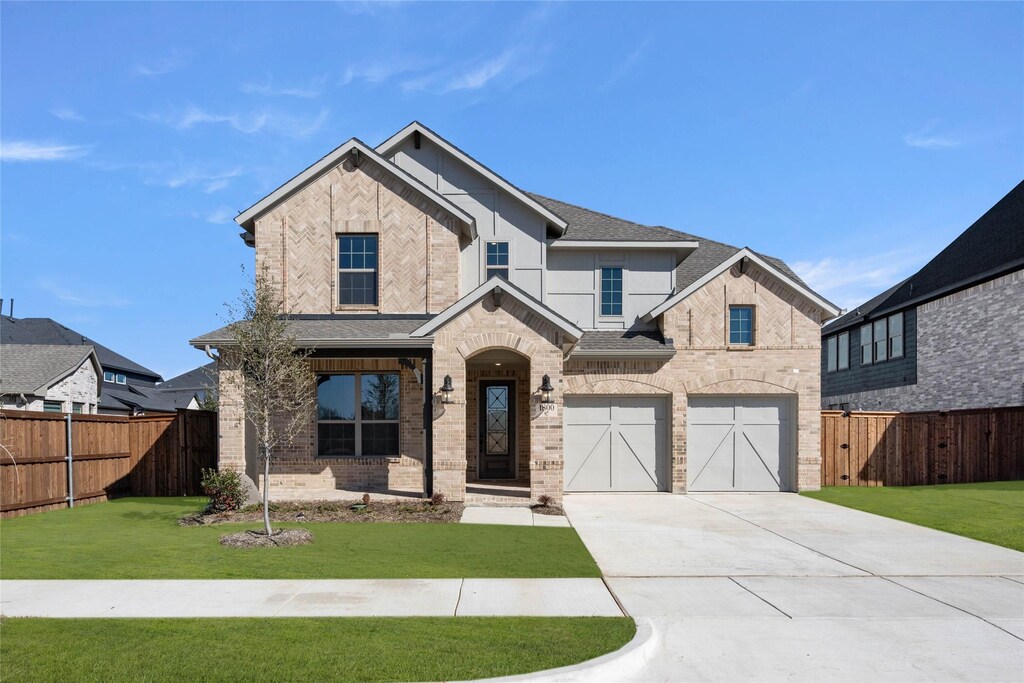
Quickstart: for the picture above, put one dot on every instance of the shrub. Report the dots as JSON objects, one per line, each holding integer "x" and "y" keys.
{"x": 366, "y": 499}
{"x": 437, "y": 499}
{"x": 545, "y": 500}
{"x": 224, "y": 489}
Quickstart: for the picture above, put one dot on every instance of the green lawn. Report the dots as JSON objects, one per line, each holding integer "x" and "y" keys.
{"x": 138, "y": 538}
{"x": 379, "y": 649}
{"x": 991, "y": 511}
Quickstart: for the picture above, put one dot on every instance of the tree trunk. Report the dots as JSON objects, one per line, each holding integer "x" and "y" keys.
{"x": 266, "y": 490}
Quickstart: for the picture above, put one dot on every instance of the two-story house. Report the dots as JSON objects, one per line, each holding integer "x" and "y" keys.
{"x": 463, "y": 330}
{"x": 949, "y": 337}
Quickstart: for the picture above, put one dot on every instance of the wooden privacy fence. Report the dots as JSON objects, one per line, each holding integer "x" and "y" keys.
{"x": 147, "y": 455}
{"x": 909, "y": 449}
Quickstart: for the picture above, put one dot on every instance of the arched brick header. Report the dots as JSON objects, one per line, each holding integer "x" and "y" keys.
{"x": 607, "y": 383}
{"x": 742, "y": 381}
{"x": 497, "y": 340}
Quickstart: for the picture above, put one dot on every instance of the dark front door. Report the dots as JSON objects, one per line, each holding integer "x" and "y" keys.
{"x": 497, "y": 430}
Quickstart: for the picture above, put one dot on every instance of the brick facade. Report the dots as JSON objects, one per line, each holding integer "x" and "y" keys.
{"x": 969, "y": 349}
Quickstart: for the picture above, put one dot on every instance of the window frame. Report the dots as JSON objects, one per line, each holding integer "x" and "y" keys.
{"x": 78, "y": 407}
{"x": 488, "y": 266}
{"x": 901, "y": 336}
{"x": 832, "y": 354}
{"x": 358, "y": 420}
{"x": 120, "y": 378}
{"x": 870, "y": 344}
{"x": 841, "y": 344}
{"x": 753, "y": 318}
{"x": 880, "y": 356}
{"x": 110, "y": 374}
{"x": 339, "y": 238}
{"x": 48, "y": 406}
{"x": 621, "y": 292}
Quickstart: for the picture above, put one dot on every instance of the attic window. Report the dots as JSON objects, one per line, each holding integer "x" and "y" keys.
{"x": 497, "y": 259}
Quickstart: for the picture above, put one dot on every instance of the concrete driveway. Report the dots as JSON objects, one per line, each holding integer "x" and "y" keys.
{"x": 781, "y": 587}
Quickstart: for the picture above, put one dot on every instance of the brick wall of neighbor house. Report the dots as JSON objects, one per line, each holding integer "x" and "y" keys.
{"x": 419, "y": 244}
{"x": 970, "y": 353}
{"x": 896, "y": 372}
{"x": 78, "y": 387}
{"x": 784, "y": 360}
{"x": 297, "y": 465}
{"x": 484, "y": 327}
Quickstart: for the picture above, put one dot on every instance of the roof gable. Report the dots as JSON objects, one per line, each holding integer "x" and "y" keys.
{"x": 247, "y": 218}
{"x": 389, "y": 145}
{"x": 502, "y": 286}
{"x": 34, "y": 368}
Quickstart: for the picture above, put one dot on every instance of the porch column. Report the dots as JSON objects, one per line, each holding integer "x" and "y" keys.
{"x": 230, "y": 418}
{"x": 546, "y": 457}
{"x": 449, "y": 458}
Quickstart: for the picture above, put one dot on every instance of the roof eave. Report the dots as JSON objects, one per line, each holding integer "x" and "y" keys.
{"x": 647, "y": 354}
{"x": 688, "y": 245}
{"x": 355, "y": 343}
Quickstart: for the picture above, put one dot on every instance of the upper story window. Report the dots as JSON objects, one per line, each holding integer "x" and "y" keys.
{"x": 741, "y": 325}
{"x": 882, "y": 340}
{"x": 108, "y": 376}
{"x": 357, "y": 270}
{"x": 115, "y": 377}
{"x": 77, "y": 407}
{"x": 497, "y": 259}
{"x": 357, "y": 414}
{"x": 837, "y": 350}
{"x": 611, "y": 291}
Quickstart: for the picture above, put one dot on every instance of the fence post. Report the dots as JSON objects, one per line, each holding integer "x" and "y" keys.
{"x": 71, "y": 464}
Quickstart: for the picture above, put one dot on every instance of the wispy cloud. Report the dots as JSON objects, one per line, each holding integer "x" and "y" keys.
{"x": 928, "y": 138}
{"x": 218, "y": 216}
{"x": 209, "y": 181}
{"x": 81, "y": 295}
{"x": 482, "y": 73}
{"x": 849, "y": 282}
{"x": 308, "y": 91}
{"x": 360, "y": 8}
{"x": 626, "y": 66}
{"x": 381, "y": 70}
{"x": 244, "y": 122}
{"x": 165, "y": 65}
{"x": 22, "y": 150}
{"x": 67, "y": 114}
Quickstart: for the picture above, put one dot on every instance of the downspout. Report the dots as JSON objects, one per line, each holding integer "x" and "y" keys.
{"x": 428, "y": 427}
{"x": 210, "y": 353}
{"x": 71, "y": 464}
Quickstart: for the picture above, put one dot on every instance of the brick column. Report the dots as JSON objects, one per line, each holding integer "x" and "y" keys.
{"x": 450, "y": 425}
{"x": 546, "y": 459}
{"x": 230, "y": 419}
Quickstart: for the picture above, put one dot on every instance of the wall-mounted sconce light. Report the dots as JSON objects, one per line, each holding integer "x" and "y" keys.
{"x": 546, "y": 389}
{"x": 447, "y": 389}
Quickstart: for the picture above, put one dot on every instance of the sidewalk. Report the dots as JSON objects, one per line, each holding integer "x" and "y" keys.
{"x": 309, "y": 598}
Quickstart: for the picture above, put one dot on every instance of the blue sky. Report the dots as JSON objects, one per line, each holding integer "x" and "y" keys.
{"x": 852, "y": 140}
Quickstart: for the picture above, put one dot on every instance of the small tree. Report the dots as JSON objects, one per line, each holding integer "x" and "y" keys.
{"x": 275, "y": 382}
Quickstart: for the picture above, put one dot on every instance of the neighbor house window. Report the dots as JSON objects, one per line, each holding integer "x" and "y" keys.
{"x": 357, "y": 414}
{"x": 497, "y": 259}
{"x": 741, "y": 325}
{"x": 357, "y": 270}
{"x": 832, "y": 354}
{"x": 77, "y": 407}
{"x": 865, "y": 345}
{"x": 120, "y": 379}
{"x": 896, "y": 335}
{"x": 611, "y": 291}
{"x": 108, "y": 376}
{"x": 881, "y": 341}
{"x": 844, "y": 351}
{"x": 52, "y": 407}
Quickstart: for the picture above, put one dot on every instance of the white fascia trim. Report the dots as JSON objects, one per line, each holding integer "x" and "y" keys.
{"x": 245, "y": 218}
{"x": 487, "y": 287}
{"x": 726, "y": 265}
{"x": 389, "y": 145}
{"x": 621, "y": 244}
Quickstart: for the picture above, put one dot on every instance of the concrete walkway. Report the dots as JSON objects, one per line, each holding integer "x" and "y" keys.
{"x": 516, "y": 516}
{"x": 779, "y": 587}
{"x": 320, "y": 598}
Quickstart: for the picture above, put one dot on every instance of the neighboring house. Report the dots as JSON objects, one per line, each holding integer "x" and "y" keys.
{"x": 949, "y": 337}
{"x": 45, "y": 377}
{"x": 128, "y": 388}
{"x": 190, "y": 389}
{"x": 464, "y": 330}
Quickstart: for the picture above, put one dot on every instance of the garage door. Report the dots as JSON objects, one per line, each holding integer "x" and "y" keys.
{"x": 615, "y": 443}
{"x": 739, "y": 443}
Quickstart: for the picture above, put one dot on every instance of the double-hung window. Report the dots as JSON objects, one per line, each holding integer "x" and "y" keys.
{"x": 497, "y": 259}
{"x": 741, "y": 325}
{"x": 832, "y": 353}
{"x": 357, "y": 414}
{"x": 838, "y": 352}
{"x": 844, "y": 351}
{"x": 881, "y": 341}
{"x": 896, "y": 335}
{"x": 611, "y": 291}
{"x": 865, "y": 344}
{"x": 357, "y": 270}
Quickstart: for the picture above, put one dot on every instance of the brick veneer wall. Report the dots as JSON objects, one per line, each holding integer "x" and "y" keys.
{"x": 78, "y": 387}
{"x": 970, "y": 353}
{"x": 419, "y": 243}
{"x": 483, "y": 327}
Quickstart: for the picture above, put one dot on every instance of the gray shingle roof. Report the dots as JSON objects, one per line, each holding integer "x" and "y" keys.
{"x": 623, "y": 340}
{"x": 49, "y": 331}
{"x": 326, "y": 328}
{"x": 860, "y": 313}
{"x": 198, "y": 378}
{"x": 33, "y": 368}
{"x": 588, "y": 225}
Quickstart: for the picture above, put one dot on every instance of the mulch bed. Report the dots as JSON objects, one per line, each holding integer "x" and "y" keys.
{"x": 259, "y": 539}
{"x": 552, "y": 510}
{"x": 336, "y": 511}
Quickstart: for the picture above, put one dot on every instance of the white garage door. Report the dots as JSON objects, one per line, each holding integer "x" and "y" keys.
{"x": 615, "y": 443}
{"x": 739, "y": 443}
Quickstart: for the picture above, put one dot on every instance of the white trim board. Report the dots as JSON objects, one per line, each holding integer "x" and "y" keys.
{"x": 827, "y": 306}
{"x": 504, "y": 287}
{"x": 332, "y": 159}
{"x": 391, "y": 143}
{"x": 622, "y": 244}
